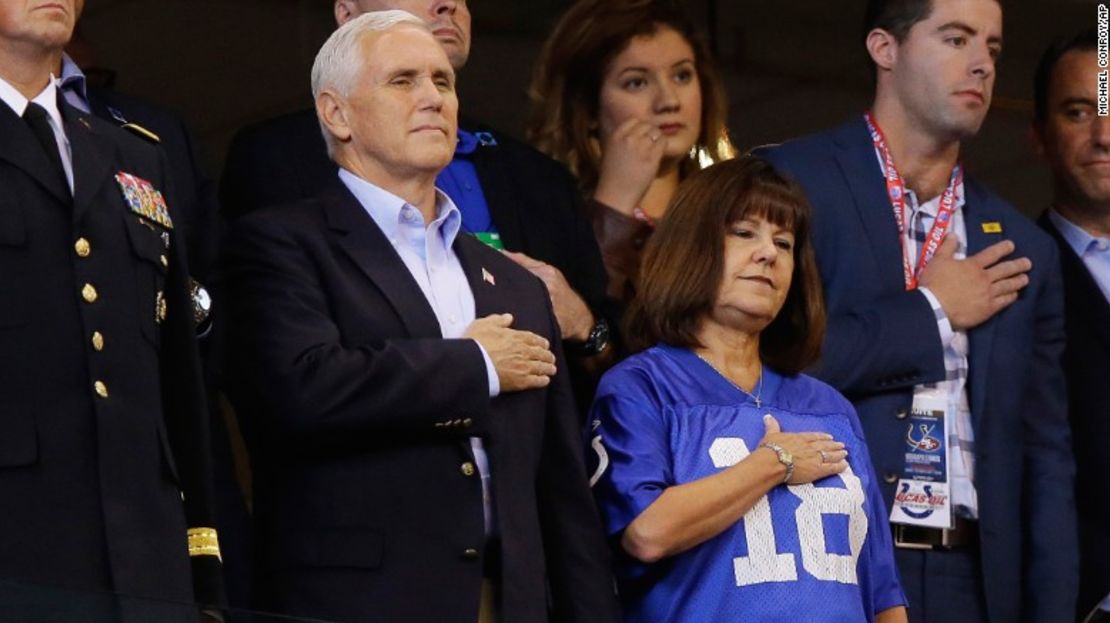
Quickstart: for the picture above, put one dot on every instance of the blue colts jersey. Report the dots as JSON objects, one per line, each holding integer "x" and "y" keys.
{"x": 813, "y": 552}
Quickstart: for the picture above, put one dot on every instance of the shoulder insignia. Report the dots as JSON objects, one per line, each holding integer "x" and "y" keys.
{"x": 144, "y": 199}
{"x": 142, "y": 132}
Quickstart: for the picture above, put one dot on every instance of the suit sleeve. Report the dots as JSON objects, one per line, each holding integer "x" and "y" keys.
{"x": 587, "y": 272}
{"x": 888, "y": 344}
{"x": 1051, "y": 568}
{"x": 292, "y": 368}
{"x": 579, "y": 567}
{"x": 186, "y": 420}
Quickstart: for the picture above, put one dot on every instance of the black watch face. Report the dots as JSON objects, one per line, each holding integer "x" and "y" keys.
{"x": 599, "y": 337}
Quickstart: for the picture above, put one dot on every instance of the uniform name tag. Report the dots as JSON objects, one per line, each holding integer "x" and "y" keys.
{"x": 922, "y": 497}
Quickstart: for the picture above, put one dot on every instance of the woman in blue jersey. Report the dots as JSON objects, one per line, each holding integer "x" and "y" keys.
{"x": 717, "y": 513}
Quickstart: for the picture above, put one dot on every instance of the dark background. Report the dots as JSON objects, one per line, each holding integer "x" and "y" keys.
{"x": 791, "y": 67}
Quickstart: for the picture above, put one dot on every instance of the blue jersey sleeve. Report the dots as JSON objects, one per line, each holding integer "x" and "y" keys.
{"x": 886, "y": 587}
{"x": 630, "y": 438}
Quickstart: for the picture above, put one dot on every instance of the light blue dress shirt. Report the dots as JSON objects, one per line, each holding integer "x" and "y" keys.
{"x": 426, "y": 251}
{"x": 1095, "y": 252}
{"x": 74, "y": 85}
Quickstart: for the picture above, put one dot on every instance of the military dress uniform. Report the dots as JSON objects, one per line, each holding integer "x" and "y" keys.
{"x": 103, "y": 439}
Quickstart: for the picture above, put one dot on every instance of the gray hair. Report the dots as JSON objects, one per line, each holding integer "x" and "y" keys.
{"x": 339, "y": 60}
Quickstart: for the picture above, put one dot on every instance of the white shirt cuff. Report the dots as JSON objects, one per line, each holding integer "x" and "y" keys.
{"x": 491, "y": 373}
{"x": 944, "y": 327}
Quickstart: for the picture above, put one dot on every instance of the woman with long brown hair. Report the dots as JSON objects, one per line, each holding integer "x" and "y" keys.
{"x": 625, "y": 93}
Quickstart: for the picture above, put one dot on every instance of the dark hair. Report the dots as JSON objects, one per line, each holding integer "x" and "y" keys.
{"x": 895, "y": 16}
{"x": 566, "y": 84}
{"x": 683, "y": 263}
{"x": 1084, "y": 40}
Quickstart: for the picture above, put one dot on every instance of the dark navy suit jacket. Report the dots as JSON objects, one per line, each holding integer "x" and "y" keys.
{"x": 358, "y": 415}
{"x": 883, "y": 340}
{"x": 1087, "y": 364}
{"x": 533, "y": 201}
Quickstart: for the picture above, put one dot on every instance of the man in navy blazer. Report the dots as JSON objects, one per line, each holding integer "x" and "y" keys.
{"x": 975, "y": 324}
{"x": 414, "y": 437}
{"x": 500, "y": 185}
{"x": 1075, "y": 142}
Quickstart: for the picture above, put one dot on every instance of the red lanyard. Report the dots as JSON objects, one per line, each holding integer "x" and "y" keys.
{"x": 896, "y": 191}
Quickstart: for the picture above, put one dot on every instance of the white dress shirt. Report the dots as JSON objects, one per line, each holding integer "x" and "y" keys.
{"x": 48, "y": 99}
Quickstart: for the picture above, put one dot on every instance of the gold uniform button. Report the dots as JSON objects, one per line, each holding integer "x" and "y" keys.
{"x": 82, "y": 247}
{"x": 467, "y": 469}
{"x": 98, "y": 341}
{"x": 470, "y": 553}
{"x": 101, "y": 389}
{"x": 165, "y": 262}
{"x": 890, "y": 478}
{"x": 89, "y": 293}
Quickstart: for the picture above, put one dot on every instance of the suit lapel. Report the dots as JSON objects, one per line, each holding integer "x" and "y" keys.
{"x": 978, "y": 218}
{"x": 1084, "y": 298}
{"x": 856, "y": 156}
{"x": 92, "y": 158}
{"x": 19, "y": 147}
{"x": 482, "y": 280}
{"x": 366, "y": 245}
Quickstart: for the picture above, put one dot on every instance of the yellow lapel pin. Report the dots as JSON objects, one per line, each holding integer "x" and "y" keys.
{"x": 993, "y": 227}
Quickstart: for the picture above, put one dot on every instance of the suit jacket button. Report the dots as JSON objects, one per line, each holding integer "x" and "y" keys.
{"x": 88, "y": 292}
{"x": 98, "y": 341}
{"x": 82, "y": 247}
{"x": 101, "y": 389}
{"x": 470, "y": 553}
{"x": 467, "y": 469}
{"x": 890, "y": 478}
{"x": 901, "y": 415}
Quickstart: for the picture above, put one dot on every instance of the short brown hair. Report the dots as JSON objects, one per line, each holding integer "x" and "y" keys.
{"x": 566, "y": 84}
{"x": 683, "y": 263}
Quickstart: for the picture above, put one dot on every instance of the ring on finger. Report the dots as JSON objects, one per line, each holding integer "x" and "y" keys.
{"x": 824, "y": 459}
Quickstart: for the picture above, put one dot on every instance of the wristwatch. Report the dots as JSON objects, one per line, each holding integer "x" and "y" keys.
{"x": 784, "y": 457}
{"x": 597, "y": 341}
{"x": 202, "y": 307}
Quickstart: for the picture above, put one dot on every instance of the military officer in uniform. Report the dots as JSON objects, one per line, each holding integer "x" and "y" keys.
{"x": 104, "y": 443}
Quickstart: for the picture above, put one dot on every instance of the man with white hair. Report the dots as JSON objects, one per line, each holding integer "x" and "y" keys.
{"x": 510, "y": 195}
{"x": 414, "y": 437}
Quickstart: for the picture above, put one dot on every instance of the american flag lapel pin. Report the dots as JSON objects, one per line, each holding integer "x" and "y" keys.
{"x": 488, "y": 277}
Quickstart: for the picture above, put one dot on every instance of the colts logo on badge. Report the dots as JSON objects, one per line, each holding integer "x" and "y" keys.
{"x": 144, "y": 199}
{"x": 924, "y": 442}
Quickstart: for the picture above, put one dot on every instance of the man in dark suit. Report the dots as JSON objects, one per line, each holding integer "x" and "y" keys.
{"x": 509, "y": 194}
{"x": 949, "y": 346}
{"x": 1075, "y": 141}
{"x": 415, "y": 447}
{"x": 103, "y": 456}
